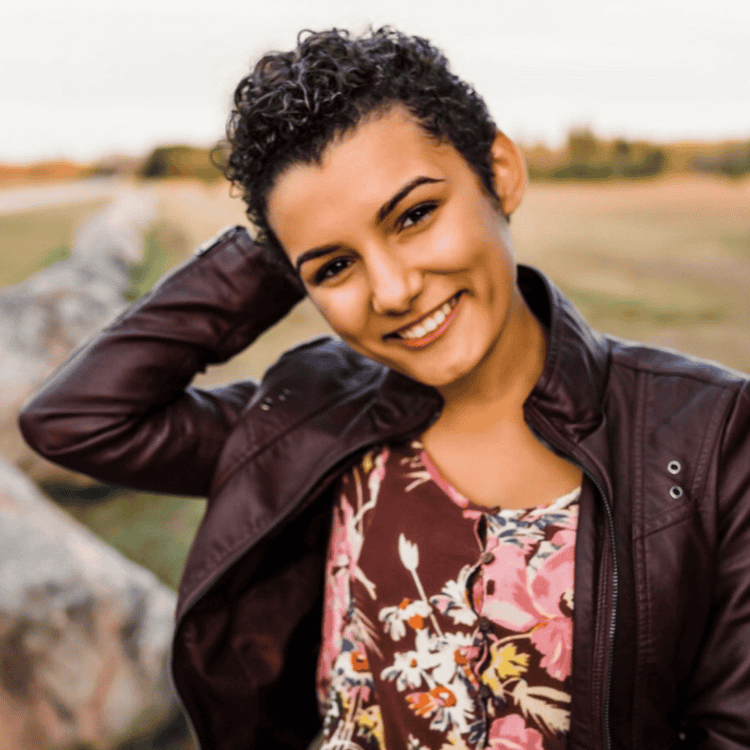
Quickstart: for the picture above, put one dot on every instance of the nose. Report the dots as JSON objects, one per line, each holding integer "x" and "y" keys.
{"x": 394, "y": 283}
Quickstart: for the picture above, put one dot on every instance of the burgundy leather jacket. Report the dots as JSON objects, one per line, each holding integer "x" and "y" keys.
{"x": 661, "y": 654}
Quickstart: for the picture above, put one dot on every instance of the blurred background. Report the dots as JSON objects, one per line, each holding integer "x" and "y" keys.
{"x": 635, "y": 121}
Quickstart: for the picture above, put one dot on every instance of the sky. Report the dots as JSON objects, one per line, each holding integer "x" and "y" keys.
{"x": 87, "y": 79}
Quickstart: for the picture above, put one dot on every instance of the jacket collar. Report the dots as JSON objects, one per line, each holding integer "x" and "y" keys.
{"x": 570, "y": 390}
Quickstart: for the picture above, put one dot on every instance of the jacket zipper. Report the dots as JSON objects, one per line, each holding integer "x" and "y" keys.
{"x": 606, "y": 729}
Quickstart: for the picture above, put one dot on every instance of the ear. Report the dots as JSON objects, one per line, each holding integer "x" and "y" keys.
{"x": 509, "y": 170}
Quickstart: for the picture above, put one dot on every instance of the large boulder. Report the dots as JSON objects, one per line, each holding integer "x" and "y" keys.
{"x": 45, "y": 318}
{"x": 84, "y": 632}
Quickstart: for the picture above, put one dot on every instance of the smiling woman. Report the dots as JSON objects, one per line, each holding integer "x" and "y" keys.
{"x": 471, "y": 521}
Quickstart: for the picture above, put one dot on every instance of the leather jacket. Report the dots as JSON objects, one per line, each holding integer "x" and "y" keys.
{"x": 661, "y": 653}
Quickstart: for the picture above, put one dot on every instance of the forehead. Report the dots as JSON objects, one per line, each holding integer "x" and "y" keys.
{"x": 358, "y": 172}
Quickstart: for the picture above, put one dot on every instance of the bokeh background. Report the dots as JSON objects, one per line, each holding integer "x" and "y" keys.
{"x": 634, "y": 118}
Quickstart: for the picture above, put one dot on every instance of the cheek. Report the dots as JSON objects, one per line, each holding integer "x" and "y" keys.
{"x": 345, "y": 310}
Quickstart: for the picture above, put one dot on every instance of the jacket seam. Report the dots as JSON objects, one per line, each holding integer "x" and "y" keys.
{"x": 688, "y": 513}
{"x": 736, "y": 384}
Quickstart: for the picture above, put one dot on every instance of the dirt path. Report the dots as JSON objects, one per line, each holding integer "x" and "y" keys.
{"x": 16, "y": 200}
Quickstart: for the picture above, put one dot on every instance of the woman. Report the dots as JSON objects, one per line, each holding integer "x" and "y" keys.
{"x": 516, "y": 532}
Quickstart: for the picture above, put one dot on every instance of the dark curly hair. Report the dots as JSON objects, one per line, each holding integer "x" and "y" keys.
{"x": 292, "y": 104}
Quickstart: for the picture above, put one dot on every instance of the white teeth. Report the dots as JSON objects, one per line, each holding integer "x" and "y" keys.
{"x": 431, "y": 323}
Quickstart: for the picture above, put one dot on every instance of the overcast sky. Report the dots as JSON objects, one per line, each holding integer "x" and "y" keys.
{"x": 83, "y": 79}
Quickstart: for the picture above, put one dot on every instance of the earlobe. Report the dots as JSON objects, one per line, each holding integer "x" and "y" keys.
{"x": 509, "y": 169}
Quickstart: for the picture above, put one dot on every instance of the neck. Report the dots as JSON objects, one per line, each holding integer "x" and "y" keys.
{"x": 498, "y": 387}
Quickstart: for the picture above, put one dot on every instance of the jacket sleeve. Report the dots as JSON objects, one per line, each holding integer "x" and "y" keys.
{"x": 121, "y": 409}
{"x": 718, "y": 712}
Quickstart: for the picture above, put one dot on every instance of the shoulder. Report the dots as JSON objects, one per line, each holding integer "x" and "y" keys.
{"x": 661, "y": 362}
{"x": 670, "y": 380}
{"x": 678, "y": 394}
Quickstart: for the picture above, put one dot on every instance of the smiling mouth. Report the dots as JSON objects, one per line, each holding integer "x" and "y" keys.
{"x": 429, "y": 327}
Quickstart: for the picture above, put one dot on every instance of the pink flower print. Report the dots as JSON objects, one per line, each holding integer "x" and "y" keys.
{"x": 342, "y": 555}
{"x": 525, "y": 601}
{"x": 511, "y": 733}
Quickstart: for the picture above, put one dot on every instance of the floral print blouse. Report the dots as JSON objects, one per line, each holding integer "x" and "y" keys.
{"x": 446, "y": 625}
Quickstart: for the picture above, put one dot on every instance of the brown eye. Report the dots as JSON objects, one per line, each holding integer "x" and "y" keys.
{"x": 414, "y": 215}
{"x": 329, "y": 270}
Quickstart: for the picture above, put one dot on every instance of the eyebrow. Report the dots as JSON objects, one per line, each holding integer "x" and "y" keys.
{"x": 401, "y": 194}
{"x": 383, "y": 212}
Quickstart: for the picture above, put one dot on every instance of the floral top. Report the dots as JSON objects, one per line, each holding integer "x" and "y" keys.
{"x": 446, "y": 625}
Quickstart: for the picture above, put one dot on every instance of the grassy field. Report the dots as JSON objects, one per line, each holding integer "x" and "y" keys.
{"x": 666, "y": 262}
{"x": 29, "y": 240}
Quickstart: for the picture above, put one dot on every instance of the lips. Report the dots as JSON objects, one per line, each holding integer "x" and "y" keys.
{"x": 430, "y": 326}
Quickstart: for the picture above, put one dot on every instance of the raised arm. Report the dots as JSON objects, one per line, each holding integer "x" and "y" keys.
{"x": 121, "y": 409}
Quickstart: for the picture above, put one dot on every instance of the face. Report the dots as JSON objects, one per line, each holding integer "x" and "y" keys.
{"x": 401, "y": 250}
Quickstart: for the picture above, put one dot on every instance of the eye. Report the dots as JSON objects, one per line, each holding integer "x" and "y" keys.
{"x": 329, "y": 270}
{"x": 417, "y": 214}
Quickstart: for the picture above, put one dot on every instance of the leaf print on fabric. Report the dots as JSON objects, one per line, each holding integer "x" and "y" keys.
{"x": 453, "y": 600}
{"x": 545, "y": 706}
{"x": 409, "y": 554}
{"x": 509, "y": 527}
{"x": 395, "y": 619}
{"x": 376, "y": 475}
{"x": 505, "y": 663}
{"x": 417, "y": 474}
{"x": 511, "y": 733}
{"x": 526, "y": 600}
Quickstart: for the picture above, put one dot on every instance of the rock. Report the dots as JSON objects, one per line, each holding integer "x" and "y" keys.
{"x": 46, "y": 317}
{"x": 84, "y": 632}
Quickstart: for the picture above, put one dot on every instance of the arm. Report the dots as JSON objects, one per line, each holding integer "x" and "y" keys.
{"x": 121, "y": 409}
{"x": 718, "y": 713}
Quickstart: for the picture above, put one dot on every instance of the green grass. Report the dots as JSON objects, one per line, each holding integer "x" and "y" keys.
{"x": 145, "y": 274}
{"x": 152, "y": 530}
{"x": 31, "y": 240}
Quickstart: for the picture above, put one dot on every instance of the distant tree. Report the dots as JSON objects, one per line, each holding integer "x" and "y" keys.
{"x": 621, "y": 149}
{"x": 180, "y": 161}
{"x": 582, "y": 146}
{"x": 650, "y": 165}
{"x": 584, "y": 172}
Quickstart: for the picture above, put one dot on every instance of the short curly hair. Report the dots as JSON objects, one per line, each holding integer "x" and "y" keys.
{"x": 293, "y": 104}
